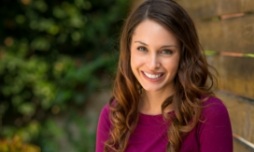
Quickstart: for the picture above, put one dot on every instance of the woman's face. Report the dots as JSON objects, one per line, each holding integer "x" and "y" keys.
{"x": 155, "y": 55}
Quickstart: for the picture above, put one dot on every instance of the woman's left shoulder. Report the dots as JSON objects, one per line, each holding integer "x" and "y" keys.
{"x": 212, "y": 100}
{"x": 214, "y": 107}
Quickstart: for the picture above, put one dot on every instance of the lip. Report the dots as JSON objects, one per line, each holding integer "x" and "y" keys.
{"x": 153, "y": 79}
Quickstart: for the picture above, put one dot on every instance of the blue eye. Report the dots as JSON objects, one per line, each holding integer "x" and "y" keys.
{"x": 141, "y": 48}
{"x": 166, "y": 52}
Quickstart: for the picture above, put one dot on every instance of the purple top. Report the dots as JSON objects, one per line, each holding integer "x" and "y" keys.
{"x": 213, "y": 134}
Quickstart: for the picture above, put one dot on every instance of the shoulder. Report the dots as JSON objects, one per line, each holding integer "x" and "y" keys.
{"x": 104, "y": 118}
{"x": 105, "y": 109}
{"x": 214, "y": 114}
{"x": 104, "y": 114}
{"x": 213, "y": 106}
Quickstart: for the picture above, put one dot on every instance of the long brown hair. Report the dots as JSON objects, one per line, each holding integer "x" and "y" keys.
{"x": 191, "y": 81}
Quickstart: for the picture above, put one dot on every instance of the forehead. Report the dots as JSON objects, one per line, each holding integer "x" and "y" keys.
{"x": 151, "y": 31}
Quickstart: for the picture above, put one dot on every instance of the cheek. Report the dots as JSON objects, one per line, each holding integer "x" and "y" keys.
{"x": 172, "y": 66}
{"x": 136, "y": 61}
{"x": 132, "y": 62}
{"x": 176, "y": 66}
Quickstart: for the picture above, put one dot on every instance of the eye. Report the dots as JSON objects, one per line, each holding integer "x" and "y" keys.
{"x": 166, "y": 52}
{"x": 141, "y": 48}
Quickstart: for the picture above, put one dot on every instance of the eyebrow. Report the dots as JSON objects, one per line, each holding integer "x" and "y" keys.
{"x": 164, "y": 46}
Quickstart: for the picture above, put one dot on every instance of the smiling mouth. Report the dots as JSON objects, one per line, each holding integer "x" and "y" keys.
{"x": 152, "y": 76}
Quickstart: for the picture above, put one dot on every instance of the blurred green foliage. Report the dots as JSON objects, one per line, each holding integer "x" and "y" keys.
{"x": 53, "y": 55}
{"x": 17, "y": 145}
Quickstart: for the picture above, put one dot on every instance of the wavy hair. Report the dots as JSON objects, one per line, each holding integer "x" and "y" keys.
{"x": 193, "y": 81}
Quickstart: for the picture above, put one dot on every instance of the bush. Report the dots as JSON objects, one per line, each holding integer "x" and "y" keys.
{"x": 17, "y": 145}
{"x": 53, "y": 55}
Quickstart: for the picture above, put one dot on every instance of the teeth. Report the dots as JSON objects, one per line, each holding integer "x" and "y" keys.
{"x": 152, "y": 76}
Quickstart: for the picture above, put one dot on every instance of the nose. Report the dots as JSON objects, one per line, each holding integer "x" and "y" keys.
{"x": 153, "y": 61}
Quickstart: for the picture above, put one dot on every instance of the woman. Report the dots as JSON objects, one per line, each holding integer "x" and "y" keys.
{"x": 162, "y": 98}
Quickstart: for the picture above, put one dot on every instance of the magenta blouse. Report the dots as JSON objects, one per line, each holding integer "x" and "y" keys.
{"x": 212, "y": 134}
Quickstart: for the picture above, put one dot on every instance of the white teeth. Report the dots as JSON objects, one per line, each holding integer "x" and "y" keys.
{"x": 152, "y": 76}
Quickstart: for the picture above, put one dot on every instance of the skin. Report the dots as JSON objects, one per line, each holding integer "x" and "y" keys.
{"x": 155, "y": 55}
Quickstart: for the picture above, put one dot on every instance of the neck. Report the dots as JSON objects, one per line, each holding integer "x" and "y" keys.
{"x": 152, "y": 101}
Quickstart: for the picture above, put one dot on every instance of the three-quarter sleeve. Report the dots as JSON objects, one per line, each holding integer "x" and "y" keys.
{"x": 215, "y": 132}
{"x": 103, "y": 128}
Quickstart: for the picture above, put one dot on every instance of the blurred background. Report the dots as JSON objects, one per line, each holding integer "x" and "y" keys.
{"x": 226, "y": 32}
{"x": 58, "y": 59}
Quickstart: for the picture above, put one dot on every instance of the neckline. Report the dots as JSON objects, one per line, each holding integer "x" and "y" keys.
{"x": 153, "y": 120}
{"x": 156, "y": 115}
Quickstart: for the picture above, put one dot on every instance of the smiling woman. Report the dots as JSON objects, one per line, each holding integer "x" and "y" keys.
{"x": 162, "y": 98}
